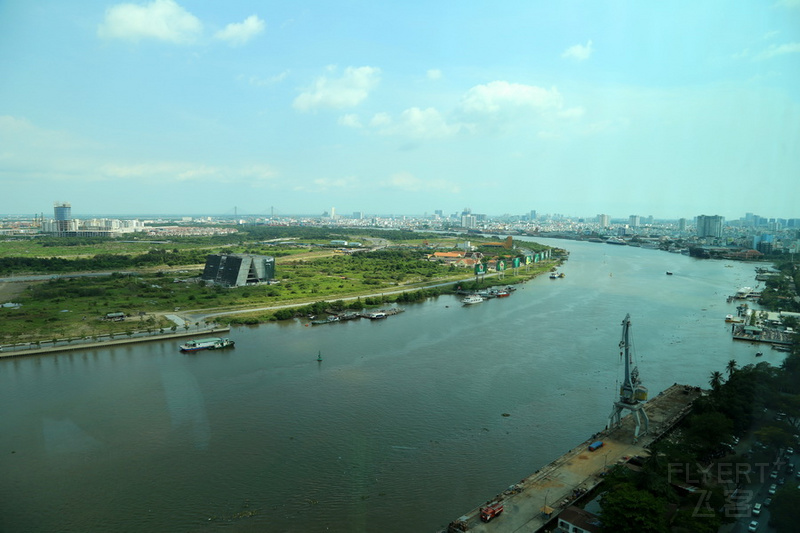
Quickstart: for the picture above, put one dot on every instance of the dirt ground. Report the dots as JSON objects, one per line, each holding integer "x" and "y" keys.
{"x": 9, "y": 291}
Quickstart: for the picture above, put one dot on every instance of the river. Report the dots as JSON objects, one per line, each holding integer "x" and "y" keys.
{"x": 406, "y": 423}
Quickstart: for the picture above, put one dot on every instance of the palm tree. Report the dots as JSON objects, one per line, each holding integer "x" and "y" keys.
{"x": 731, "y": 367}
{"x": 715, "y": 380}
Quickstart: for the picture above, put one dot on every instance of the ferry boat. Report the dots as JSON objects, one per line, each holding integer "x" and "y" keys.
{"x": 472, "y": 299}
{"x": 211, "y": 343}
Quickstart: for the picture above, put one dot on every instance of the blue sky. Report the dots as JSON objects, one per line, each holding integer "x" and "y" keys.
{"x": 670, "y": 109}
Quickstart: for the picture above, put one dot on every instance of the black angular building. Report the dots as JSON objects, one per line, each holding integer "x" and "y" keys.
{"x": 238, "y": 270}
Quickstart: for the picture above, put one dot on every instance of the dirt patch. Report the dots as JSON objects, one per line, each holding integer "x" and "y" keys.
{"x": 9, "y": 291}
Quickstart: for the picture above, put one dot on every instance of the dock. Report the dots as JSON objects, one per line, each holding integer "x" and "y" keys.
{"x": 561, "y": 483}
{"x": 21, "y": 350}
{"x": 743, "y": 332}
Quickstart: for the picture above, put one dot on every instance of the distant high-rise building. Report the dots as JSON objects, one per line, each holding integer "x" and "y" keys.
{"x": 681, "y": 224}
{"x": 603, "y": 221}
{"x": 333, "y": 212}
{"x": 710, "y": 226}
{"x": 62, "y": 214}
{"x": 634, "y": 221}
{"x": 468, "y": 221}
{"x": 358, "y": 215}
{"x": 532, "y": 214}
{"x": 438, "y": 213}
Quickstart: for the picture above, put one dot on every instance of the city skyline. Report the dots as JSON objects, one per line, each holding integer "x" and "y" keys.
{"x": 62, "y": 211}
{"x": 167, "y": 107}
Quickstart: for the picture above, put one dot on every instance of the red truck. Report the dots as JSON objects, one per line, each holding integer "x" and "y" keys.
{"x": 491, "y": 510}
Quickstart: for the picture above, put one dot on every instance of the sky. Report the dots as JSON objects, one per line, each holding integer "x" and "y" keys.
{"x": 670, "y": 109}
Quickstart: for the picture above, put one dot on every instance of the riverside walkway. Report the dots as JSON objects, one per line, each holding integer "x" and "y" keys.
{"x": 87, "y": 344}
{"x": 577, "y": 472}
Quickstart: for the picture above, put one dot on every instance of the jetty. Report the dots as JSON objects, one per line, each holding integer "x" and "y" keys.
{"x": 535, "y": 501}
{"x": 343, "y": 317}
{"x": 89, "y": 343}
{"x": 744, "y": 332}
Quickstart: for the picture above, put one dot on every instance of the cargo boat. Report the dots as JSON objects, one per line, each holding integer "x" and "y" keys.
{"x": 211, "y": 343}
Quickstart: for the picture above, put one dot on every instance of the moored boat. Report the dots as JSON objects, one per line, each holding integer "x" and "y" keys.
{"x": 472, "y": 299}
{"x": 211, "y": 343}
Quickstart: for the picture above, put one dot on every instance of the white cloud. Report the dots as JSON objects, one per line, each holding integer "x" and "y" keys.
{"x": 405, "y": 181}
{"x": 349, "y": 90}
{"x": 265, "y": 82}
{"x": 180, "y": 171}
{"x": 419, "y": 124}
{"x": 779, "y": 50}
{"x": 183, "y": 171}
{"x": 327, "y": 184}
{"x": 434, "y": 74}
{"x": 380, "y": 120}
{"x": 500, "y": 95}
{"x": 238, "y": 33}
{"x": 162, "y": 20}
{"x": 578, "y": 52}
{"x": 351, "y": 121}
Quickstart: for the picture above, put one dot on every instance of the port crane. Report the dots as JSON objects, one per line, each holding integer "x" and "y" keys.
{"x": 631, "y": 393}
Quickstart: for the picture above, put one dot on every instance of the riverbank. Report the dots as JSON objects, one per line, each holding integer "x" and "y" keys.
{"x": 20, "y": 351}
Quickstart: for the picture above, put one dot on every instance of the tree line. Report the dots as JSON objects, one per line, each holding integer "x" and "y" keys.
{"x": 12, "y": 265}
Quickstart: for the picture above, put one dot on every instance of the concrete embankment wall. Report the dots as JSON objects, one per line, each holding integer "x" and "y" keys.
{"x": 31, "y": 350}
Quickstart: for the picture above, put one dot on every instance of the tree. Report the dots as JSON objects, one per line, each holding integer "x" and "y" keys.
{"x": 707, "y": 430}
{"x": 731, "y": 367}
{"x": 785, "y": 510}
{"x": 715, "y": 380}
{"x": 628, "y": 510}
{"x": 774, "y": 437}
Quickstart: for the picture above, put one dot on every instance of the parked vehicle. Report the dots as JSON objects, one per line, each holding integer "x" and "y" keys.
{"x": 596, "y": 445}
{"x": 756, "y": 509}
{"x": 491, "y": 511}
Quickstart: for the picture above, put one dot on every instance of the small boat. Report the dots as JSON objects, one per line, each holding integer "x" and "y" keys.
{"x": 561, "y": 274}
{"x": 759, "y": 354}
{"x": 330, "y": 320}
{"x": 212, "y": 343}
{"x": 554, "y": 275}
{"x": 472, "y": 299}
{"x": 669, "y": 273}
{"x": 502, "y": 294}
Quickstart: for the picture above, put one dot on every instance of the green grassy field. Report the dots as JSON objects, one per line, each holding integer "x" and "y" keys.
{"x": 75, "y": 307}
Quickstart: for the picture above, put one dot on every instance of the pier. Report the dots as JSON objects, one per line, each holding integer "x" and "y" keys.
{"x": 21, "y": 350}
{"x": 559, "y": 484}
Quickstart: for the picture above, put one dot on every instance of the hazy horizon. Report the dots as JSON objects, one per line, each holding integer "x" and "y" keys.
{"x": 628, "y": 108}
